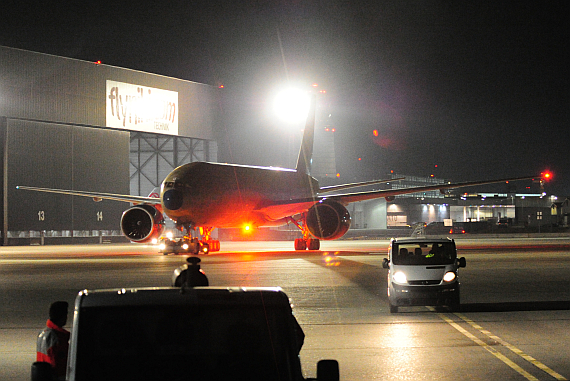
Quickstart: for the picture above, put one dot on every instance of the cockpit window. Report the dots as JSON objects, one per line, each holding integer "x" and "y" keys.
{"x": 173, "y": 184}
{"x": 424, "y": 253}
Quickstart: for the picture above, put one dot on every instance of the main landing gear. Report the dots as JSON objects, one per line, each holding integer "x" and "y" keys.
{"x": 307, "y": 242}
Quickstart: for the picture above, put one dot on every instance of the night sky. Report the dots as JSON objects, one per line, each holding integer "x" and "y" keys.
{"x": 480, "y": 89}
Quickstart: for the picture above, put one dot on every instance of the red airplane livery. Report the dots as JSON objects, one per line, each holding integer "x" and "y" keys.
{"x": 201, "y": 196}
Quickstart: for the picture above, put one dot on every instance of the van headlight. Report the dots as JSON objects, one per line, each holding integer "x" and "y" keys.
{"x": 400, "y": 277}
{"x": 449, "y": 276}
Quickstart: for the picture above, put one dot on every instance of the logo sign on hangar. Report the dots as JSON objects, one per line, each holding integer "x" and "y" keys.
{"x": 141, "y": 108}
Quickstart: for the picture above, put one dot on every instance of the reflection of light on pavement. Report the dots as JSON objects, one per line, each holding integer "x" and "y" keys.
{"x": 330, "y": 259}
{"x": 400, "y": 336}
{"x": 407, "y": 355}
{"x": 246, "y": 257}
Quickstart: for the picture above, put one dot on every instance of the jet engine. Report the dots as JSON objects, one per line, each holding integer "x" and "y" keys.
{"x": 328, "y": 219}
{"x": 142, "y": 223}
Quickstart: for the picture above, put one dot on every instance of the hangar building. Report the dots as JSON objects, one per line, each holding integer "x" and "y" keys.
{"x": 72, "y": 124}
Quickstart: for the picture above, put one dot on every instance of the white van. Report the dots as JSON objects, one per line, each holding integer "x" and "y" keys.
{"x": 423, "y": 272}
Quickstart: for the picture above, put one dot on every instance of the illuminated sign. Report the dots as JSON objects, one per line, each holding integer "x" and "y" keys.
{"x": 141, "y": 108}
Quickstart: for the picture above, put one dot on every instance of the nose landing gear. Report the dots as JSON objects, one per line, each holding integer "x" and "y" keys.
{"x": 189, "y": 245}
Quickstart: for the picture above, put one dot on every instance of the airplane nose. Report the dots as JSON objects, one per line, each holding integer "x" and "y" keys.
{"x": 172, "y": 199}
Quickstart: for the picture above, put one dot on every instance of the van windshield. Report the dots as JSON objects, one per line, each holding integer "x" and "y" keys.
{"x": 424, "y": 253}
{"x": 186, "y": 343}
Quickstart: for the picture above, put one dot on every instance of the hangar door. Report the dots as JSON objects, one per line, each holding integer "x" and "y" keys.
{"x": 152, "y": 157}
{"x": 52, "y": 155}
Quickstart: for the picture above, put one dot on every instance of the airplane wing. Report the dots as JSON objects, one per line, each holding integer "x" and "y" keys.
{"x": 333, "y": 188}
{"x": 95, "y": 195}
{"x": 362, "y": 196}
{"x": 277, "y": 209}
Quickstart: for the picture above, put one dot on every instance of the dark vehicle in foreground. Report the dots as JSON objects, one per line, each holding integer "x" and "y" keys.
{"x": 423, "y": 272}
{"x": 188, "y": 333}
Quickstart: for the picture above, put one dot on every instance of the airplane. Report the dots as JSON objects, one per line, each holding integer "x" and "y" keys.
{"x": 205, "y": 195}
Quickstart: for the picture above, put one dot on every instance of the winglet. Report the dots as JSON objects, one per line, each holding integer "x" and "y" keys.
{"x": 306, "y": 151}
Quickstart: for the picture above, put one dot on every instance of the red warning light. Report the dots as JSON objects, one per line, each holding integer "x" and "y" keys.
{"x": 220, "y": 86}
{"x": 338, "y": 175}
{"x": 359, "y": 159}
{"x": 98, "y": 62}
{"x": 375, "y": 132}
{"x": 546, "y": 175}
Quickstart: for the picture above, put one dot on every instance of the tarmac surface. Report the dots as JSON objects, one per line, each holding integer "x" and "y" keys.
{"x": 514, "y": 322}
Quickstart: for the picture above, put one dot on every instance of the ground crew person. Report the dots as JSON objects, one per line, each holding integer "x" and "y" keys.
{"x": 53, "y": 341}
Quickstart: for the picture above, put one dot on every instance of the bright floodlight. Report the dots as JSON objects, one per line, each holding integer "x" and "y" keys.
{"x": 292, "y": 105}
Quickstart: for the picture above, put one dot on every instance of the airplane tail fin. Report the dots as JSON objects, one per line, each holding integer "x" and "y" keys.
{"x": 306, "y": 151}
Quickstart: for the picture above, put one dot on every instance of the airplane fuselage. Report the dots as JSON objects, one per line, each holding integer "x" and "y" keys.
{"x": 228, "y": 195}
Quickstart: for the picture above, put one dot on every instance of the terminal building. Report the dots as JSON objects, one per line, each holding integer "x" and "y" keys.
{"x": 71, "y": 124}
{"x": 461, "y": 211}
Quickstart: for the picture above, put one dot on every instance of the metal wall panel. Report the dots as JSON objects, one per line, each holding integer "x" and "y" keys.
{"x": 153, "y": 157}
{"x": 38, "y": 155}
{"x": 100, "y": 163}
{"x": 56, "y": 89}
{"x": 66, "y": 157}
